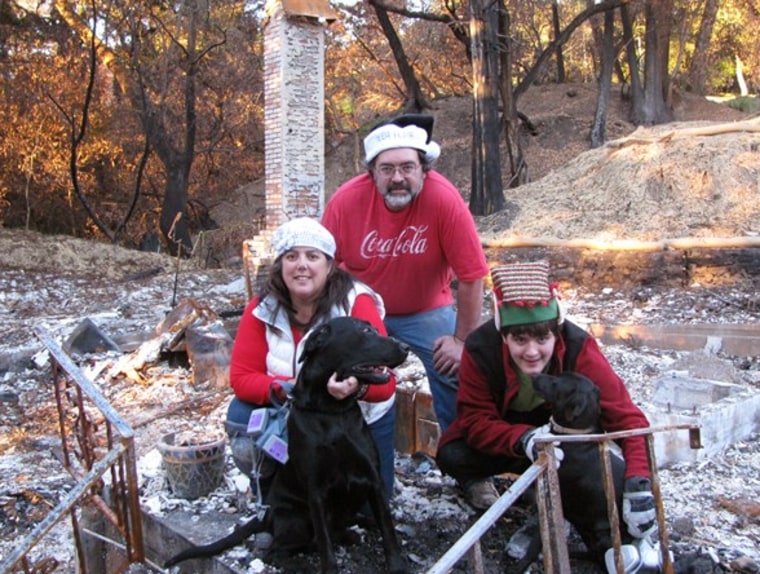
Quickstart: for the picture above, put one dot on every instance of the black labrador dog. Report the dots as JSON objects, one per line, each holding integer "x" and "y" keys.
{"x": 333, "y": 466}
{"x": 574, "y": 401}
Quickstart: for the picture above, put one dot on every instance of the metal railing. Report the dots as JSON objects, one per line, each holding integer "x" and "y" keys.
{"x": 98, "y": 451}
{"x": 552, "y": 522}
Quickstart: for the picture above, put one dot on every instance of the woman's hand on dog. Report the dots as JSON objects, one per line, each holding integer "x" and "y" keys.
{"x": 342, "y": 389}
{"x": 281, "y": 389}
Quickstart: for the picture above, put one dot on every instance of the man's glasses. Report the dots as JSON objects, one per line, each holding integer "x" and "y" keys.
{"x": 389, "y": 170}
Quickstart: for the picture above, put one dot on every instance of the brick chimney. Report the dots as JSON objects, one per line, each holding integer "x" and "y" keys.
{"x": 294, "y": 121}
{"x": 294, "y": 108}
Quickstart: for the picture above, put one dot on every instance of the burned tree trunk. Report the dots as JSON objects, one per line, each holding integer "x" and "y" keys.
{"x": 650, "y": 101}
{"x": 598, "y": 130}
{"x": 486, "y": 196}
{"x": 557, "y": 31}
{"x": 518, "y": 170}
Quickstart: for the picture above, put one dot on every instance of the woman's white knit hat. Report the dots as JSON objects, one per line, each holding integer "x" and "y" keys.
{"x": 411, "y": 130}
{"x": 303, "y": 232}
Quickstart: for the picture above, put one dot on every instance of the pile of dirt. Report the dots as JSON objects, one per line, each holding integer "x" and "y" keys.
{"x": 695, "y": 177}
{"x": 32, "y": 252}
{"x": 680, "y": 180}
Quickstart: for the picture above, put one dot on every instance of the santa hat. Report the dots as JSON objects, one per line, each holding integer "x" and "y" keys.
{"x": 410, "y": 130}
{"x": 303, "y": 232}
{"x": 523, "y": 294}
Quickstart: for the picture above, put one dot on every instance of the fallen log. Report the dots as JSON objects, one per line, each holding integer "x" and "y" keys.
{"x": 627, "y": 244}
{"x": 640, "y": 137}
{"x": 581, "y": 265}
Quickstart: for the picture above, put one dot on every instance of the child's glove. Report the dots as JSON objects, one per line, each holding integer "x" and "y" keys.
{"x": 638, "y": 507}
{"x": 528, "y": 442}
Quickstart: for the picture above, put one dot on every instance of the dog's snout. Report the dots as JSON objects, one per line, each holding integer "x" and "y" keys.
{"x": 404, "y": 347}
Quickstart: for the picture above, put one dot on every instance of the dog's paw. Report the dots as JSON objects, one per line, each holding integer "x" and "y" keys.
{"x": 349, "y": 537}
{"x": 398, "y": 565}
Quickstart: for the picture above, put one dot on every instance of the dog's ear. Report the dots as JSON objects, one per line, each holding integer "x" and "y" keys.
{"x": 585, "y": 405}
{"x": 315, "y": 341}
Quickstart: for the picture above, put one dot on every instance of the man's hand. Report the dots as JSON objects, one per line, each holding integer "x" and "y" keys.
{"x": 638, "y": 507}
{"x": 447, "y": 354}
{"x": 528, "y": 442}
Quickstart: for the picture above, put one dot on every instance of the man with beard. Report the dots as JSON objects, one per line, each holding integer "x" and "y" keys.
{"x": 404, "y": 229}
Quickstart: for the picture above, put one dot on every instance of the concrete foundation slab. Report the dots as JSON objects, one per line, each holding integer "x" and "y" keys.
{"x": 166, "y": 535}
{"x": 679, "y": 392}
{"x": 163, "y": 536}
{"x": 726, "y": 414}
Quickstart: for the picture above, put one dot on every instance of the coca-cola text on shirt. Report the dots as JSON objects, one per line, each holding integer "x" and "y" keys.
{"x": 410, "y": 241}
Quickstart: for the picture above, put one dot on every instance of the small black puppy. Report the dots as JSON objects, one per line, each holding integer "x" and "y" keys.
{"x": 575, "y": 410}
{"x": 333, "y": 466}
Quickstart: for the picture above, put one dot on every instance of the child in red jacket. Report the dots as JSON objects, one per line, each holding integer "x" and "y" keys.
{"x": 499, "y": 412}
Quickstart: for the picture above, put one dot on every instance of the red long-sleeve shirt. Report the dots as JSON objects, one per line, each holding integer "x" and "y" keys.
{"x": 249, "y": 378}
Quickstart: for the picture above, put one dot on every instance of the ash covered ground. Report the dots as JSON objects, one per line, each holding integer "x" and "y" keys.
{"x": 711, "y": 506}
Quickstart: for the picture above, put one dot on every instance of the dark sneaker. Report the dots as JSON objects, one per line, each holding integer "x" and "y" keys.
{"x": 481, "y": 494}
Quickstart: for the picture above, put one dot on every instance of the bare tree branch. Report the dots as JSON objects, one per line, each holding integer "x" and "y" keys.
{"x": 563, "y": 37}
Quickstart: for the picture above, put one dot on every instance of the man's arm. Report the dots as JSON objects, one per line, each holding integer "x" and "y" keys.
{"x": 469, "y": 307}
{"x": 447, "y": 350}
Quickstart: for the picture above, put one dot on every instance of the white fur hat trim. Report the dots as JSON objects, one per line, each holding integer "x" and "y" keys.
{"x": 391, "y": 136}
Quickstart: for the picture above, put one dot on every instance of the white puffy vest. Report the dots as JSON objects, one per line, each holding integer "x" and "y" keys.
{"x": 282, "y": 358}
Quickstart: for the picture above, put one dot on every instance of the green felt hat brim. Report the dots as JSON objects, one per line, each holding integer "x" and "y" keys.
{"x": 523, "y": 315}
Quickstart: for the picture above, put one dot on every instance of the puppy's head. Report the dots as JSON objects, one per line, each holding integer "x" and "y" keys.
{"x": 574, "y": 398}
{"x": 352, "y": 347}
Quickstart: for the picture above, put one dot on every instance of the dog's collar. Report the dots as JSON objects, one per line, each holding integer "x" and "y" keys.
{"x": 559, "y": 429}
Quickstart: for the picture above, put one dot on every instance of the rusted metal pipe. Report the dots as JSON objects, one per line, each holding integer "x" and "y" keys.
{"x": 600, "y": 437}
{"x": 667, "y": 566}
{"x": 612, "y": 509}
{"x": 487, "y": 520}
{"x": 552, "y": 528}
{"x": 88, "y": 457}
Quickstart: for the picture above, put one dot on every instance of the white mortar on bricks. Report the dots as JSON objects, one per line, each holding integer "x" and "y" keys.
{"x": 726, "y": 413}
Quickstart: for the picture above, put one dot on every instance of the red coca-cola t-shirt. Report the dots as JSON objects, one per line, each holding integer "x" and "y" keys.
{"x": 409, "y": 256}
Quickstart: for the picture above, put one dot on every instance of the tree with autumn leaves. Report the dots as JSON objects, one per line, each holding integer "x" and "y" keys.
{"x": 126, "y": 119}
{"x": 142, "y": 114}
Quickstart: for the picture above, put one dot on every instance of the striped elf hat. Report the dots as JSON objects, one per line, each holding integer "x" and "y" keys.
{"x": 523, "y": 294}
